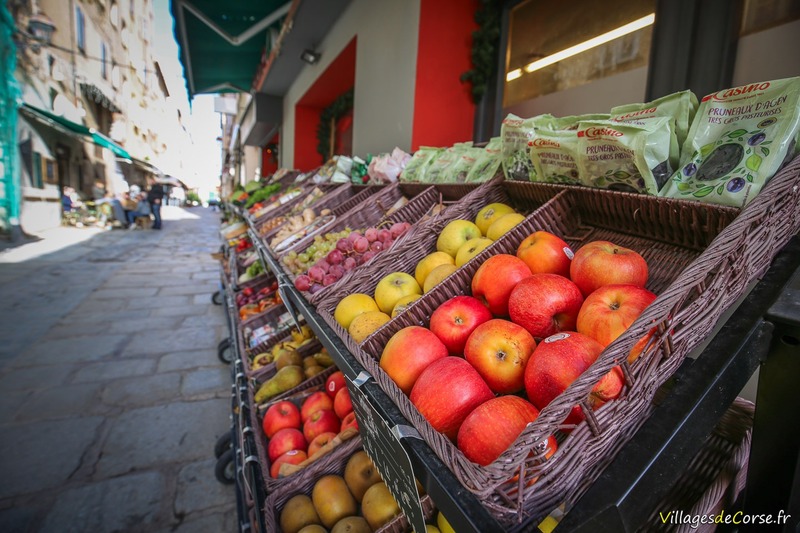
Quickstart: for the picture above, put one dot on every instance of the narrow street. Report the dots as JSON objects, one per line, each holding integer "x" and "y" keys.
{"x": 111, "y": 392}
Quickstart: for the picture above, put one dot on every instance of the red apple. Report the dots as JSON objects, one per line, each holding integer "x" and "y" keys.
{"x": 315, "y": 402}
{"x": 493, "y": 426}
{"x": 561, "y": 359}
{"x": 283, "y": 414}
{"x": 495, "y": 279}
{"x": 610, "y": 310}
{"x": 454, "y": 320}
{"x": 342, "y": 403}
{"x": 408, "y": 353}
{"x": 545, "y": 304}
{"x": 335, "y": 382}
{"x": 447, "y": 392}
{"x": 544, "y": 253}
{"x": 284, "y": 440}
{"x": 349, "y": 421}
{"x": 499, "y": 351}
{"x": 292, "y": 457}
{"x": 322, "y": 421}
{"x": 319, "y": 441}
{"x": 604, "y": 263}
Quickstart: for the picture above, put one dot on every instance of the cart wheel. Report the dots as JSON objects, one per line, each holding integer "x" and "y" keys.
{"x": 216, "y": 298}
{"x": 225, "y": 351}
{"x": 225, "y": 469}
{"x": 224, "y": 443}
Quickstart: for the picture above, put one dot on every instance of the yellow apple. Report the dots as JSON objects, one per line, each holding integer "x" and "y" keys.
{"x": 351, "y": 306}
{"x": 366, "y": 324}
{"x": 428, "y": 263}
{"x": 470, "y": 249}
{"x": 489, "y": 214}
{"x": 437, "y": 275}
{"x": 456, "y": 233}
{"x": 403, "y": 303}
{"x": 444, "y": 525}
{"x": 393, "y": 287}
{"x": 503, "y": 225}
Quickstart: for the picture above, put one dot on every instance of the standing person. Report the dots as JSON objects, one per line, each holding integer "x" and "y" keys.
{"x": 155, "y": 197}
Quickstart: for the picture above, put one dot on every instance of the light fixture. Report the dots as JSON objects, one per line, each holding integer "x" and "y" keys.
{"x": 41, "y": 28}
{"x": 309, "y": 56}
{"x": 584, "y": 46}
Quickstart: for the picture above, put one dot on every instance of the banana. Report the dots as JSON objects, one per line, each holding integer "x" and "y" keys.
{"x": 307, "y": 332}
{"x": 261, "y": 360}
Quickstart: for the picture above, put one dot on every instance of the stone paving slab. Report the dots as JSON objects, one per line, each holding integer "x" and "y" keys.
{"x": 74, "y": 350}
{"x": 196, "y": 492}
{"x": 131, "y": 503}
{"x": 143, "y": 391}
{"x": 146, "y": 325}
{"x": 63, "y": 402}
{"x": 158, "y": 302}
{"x": 165, "y": 341}
{"x": 186, "y": 310}
{"x": 189, "y": 360}
{"x": 213, "y": 381}
{"x": 39, "y": 456}
{"x": 215, "y": 317}
{"x": 36, "y": 378}
{"x": 114, "y": 369}
{"x": 164, "y": 434}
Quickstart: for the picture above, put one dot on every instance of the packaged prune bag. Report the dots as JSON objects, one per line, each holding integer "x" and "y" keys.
{"x": 488, "y": 162}
{"x": 626, "y": 156}
{"x": 739, "y": 139}
{"x": 436, "y": 171}
{"x": 415, "y": 169}
{"x": 516, "y": 134}
{"x": 465, "y": 159}
{"x": 681, "y": 106}
{"x": 554, "y": 156}
{"x": 571, "y": 122}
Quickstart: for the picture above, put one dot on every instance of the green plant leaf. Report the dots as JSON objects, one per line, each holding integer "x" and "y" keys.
{"x": 721, "y": 188}
{"x": 705, "y": 191}
{"x": 765, "y": 151}
{"x": 736, "y": 133}
{"x": 683, "y": 186}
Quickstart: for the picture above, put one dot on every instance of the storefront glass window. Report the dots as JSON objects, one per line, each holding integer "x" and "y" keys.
{"x": 759, "y": 15}
{"x": 599, "y": 39}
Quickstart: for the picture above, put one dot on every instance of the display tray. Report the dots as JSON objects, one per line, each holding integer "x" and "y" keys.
{"x": 345, "y": 447}
{"x": 305, "y": 484}
{"x": 272, "y": 316}
{"x": 282, "y": 209}
{"x": 405, "y": 256}
{"x": 702, "y": 258}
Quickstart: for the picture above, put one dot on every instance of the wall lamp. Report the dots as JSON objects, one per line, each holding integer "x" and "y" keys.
{"x": 311, "y": 57}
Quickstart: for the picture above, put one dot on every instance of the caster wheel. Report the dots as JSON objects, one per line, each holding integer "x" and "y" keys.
{"x": 225, "y": 351}
{"x": 225, "y": 469}
{"x": 224, "y": 443}
{"x": 216, "y": 298}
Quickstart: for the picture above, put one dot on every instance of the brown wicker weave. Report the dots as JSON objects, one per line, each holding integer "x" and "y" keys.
{"x": 304, "y": 485}
{"x": 288, "y": 207}
{"x": 270, "y": 315}
{"x": 450, "y": 192}
{"x": 695, "y": 286}
{"x": 715, "y": 476}
{"x": 405, "y": 257}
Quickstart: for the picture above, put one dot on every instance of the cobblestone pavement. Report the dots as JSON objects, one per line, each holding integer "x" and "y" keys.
{"x": 111, "y": 392}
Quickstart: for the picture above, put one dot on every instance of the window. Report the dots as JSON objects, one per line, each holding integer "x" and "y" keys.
{"x": 104, "y": 61}
{"x": 543, "y": 36}
{"x": 50, "y": 174}
{"x": 760, "y": 15}
{"x": 132, "y": 6}
{"x": 80, "y": 29}
{"x": 36, "y": 177}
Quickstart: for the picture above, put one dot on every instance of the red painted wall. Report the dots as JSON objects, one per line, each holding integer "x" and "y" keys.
{"x": 443, "y": 108}
{"x": 306, "y": 120}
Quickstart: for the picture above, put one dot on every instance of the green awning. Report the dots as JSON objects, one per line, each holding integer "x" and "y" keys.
{"x": 222, "y": 42}
{"x": 73, "y": 128}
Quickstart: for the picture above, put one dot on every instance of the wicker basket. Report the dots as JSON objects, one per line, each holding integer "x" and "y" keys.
{"x": 288, "y": 207}
{"x": 271, "y": 315}
{"x": 715, "y": 476}
{"x": 406, "y": 256}
{"x": 304, "y": 485}
{"x": 698, "y": 275}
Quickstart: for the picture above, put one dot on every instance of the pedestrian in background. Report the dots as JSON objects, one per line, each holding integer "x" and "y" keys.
{"x": 155, "y": 196}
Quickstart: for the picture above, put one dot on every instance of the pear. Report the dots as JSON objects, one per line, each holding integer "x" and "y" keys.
{"x": 312, "y": 371}
{"x": 323, "y": 358}
{"x": 288, "y": 358}
{"x": 309, "y": 361}
{"x": 314, "y": 528}
{"x": 351, "y": 524}
{"x": 332, "y": 500}
{"x": 287, "y": 378}
{"x": 360, "y": 474}
{"x": 379, "y": 506}
{"x": 298, "y": 513}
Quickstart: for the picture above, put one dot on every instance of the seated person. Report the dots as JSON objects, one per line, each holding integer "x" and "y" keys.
{"x": 142, "y": 210}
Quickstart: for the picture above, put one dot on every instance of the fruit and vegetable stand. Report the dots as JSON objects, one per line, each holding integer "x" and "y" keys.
{"x": 422, "y": 304}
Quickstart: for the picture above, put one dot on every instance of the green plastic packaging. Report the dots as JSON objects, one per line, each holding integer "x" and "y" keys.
{"x": 628, "y": 157}
{"x": 488, "y": 162}
{"x": 739, "y": 139}
{"x": 516, "y": 135}
{"x": 554, "y": 156}
{"x": 681, "y": 106}
{"x": 415, "y": 169}
{"x": 437, "y": 170}
{"x": 466, "y": 158}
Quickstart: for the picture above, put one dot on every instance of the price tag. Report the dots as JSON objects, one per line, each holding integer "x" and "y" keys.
{"x": 382, "y": 444}
{"x": 288, "y": 304}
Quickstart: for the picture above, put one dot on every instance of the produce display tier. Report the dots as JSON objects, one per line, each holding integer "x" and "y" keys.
{"x": 762, "y": 327}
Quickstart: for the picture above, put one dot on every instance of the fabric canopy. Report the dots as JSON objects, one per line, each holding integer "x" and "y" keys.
{"x": 221, "y": 43}
{"x": 73, "y": 128}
